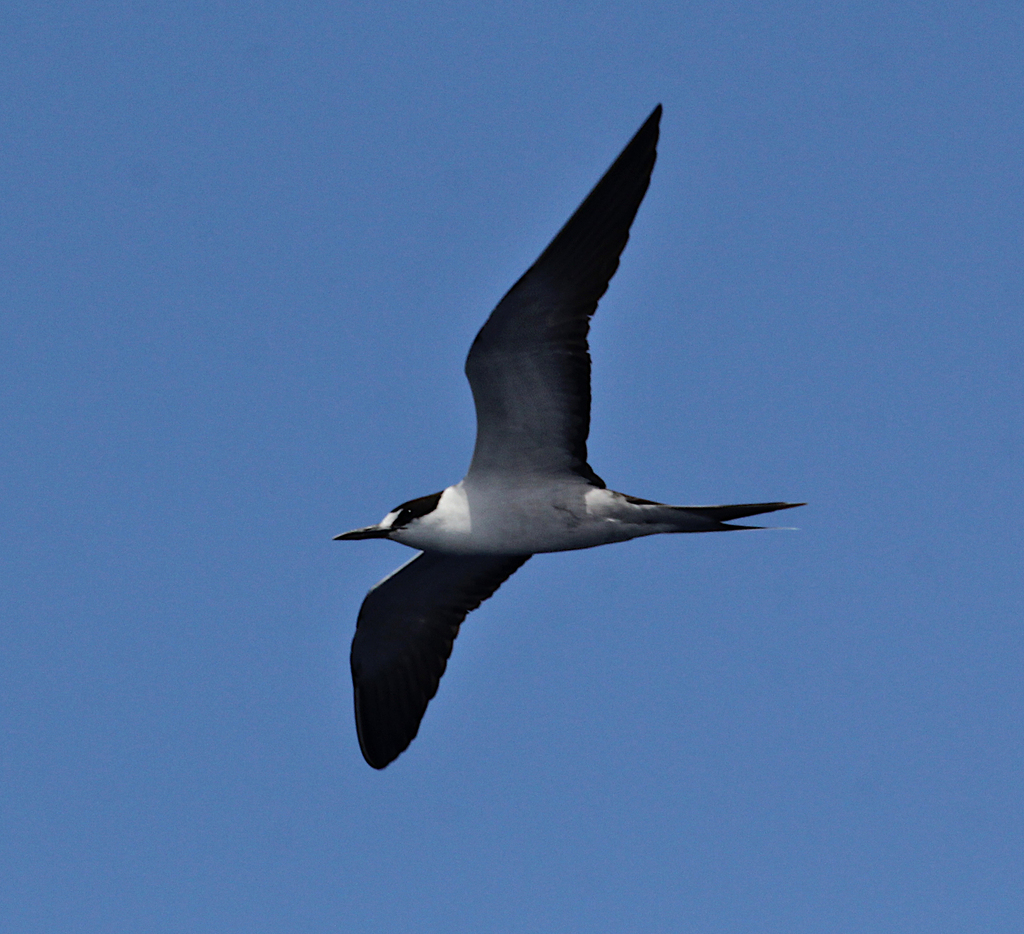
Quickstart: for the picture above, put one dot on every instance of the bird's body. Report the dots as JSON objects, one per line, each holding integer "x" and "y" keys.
{"x": 529, "y": 488}
{"x": 544, "y": 515}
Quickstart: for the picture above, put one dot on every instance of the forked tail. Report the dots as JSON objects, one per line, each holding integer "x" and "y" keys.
{"x": 723, "y": 514}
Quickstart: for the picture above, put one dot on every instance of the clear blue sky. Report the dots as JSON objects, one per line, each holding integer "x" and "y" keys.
{"x": 245, "y": 248}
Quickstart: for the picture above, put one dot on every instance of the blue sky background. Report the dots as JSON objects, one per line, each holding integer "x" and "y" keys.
{"x": 244, "y": 251}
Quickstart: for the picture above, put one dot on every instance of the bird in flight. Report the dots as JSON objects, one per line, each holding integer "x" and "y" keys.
{"x": 529, "y": 488}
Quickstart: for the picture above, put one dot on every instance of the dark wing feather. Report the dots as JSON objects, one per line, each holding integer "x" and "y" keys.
{"x": 403, "y": 639}
{"x": 529, "y": 367}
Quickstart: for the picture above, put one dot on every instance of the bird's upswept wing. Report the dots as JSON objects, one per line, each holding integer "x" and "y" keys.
{"x": 403, "y": 639}
{"x": 529, "y": 367}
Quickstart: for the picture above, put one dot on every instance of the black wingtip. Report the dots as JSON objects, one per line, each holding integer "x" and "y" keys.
{"x": 651, "y": 126}
{"x": 381, "y": 749}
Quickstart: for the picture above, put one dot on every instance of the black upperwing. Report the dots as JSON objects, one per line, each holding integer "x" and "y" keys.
{"x": 529, "y": 367}
{"x": 407, "y": 625}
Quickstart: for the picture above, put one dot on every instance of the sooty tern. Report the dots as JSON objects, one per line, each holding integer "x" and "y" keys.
{"x": 529, "y": 488}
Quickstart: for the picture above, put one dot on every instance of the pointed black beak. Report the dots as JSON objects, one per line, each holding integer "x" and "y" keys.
{"x": 371, "y": 531}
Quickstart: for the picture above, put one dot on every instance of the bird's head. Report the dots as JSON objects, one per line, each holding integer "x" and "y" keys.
{"x": 394, "y": 521}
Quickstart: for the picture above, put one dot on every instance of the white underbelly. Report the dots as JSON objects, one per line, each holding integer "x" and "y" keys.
{"x": 519, "y": 539}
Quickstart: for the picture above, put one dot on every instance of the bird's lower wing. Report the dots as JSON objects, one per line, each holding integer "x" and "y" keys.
{"x": 407, "y": 625}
